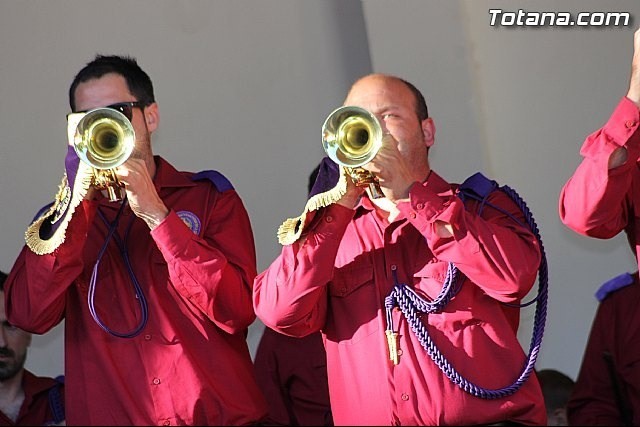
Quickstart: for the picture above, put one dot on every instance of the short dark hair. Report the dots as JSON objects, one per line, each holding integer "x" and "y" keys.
{"x": 556, "y": 388}
{"x": 421, "y": 105}
{"x": 138, "y": 80}
{"x": 3, "y": 277}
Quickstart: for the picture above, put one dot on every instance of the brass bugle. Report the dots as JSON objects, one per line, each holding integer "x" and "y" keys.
{"x": 104, "y": 139}
{"x": 351, "y": 137}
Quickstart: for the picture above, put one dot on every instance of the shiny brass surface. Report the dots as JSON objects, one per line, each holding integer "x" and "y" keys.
{"x": 351, "y": 137}
{"x": 104, "y": 139}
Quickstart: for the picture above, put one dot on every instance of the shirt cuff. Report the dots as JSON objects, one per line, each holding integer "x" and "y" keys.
{"x": 332, "y": 221}
{"x": 171, "y": 235}
{"x": 423, "y": 203}
{"x": 619, "y": 131}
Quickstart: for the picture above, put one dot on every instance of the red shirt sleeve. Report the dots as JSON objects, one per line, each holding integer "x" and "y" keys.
{"x": 479, "y": 241}
{"x": 215, "y": 272}
{"x": 36, "y": 287}
{"x": 291, "y": 294}
{"x": 594, "y": 201}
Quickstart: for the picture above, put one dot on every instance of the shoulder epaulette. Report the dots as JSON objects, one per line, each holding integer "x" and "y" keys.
{"x": 220, "y": 181}
{"x": 478, "y": 185}
{"x": 613, "y": 285}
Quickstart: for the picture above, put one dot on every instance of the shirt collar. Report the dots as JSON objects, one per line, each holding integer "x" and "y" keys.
{"x": 34, "y": 385}
{"x": 168, "y": 176}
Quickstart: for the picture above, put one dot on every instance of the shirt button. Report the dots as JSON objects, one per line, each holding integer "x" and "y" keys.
{"x": 405, "y": 396}
{"x": 147, "y": 337}
{"x": 399, "y": 352}
{"x": 630, "y": 123}
{"x": 419, "y": 206}
{"x": 394, "y": 267}
{"x": 329, "y": 218}
{"x": 156, "y": 381}
{"x": 412, "y": 215}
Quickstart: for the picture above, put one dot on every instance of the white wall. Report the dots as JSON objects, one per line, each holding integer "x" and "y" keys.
{"x": 244, "y": 86}
{"x": 516, "y": 104}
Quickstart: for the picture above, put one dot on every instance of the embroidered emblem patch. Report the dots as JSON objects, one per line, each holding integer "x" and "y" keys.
{"x": 192, "y": 221}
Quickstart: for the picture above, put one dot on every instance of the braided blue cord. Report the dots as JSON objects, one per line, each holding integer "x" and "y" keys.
{"x": 412, "y": 304}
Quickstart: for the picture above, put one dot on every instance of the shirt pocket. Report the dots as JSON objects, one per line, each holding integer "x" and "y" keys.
{"x": 429, "y": 278}
{"x": 458, "y": 313}
{"x": 353, "y": 305}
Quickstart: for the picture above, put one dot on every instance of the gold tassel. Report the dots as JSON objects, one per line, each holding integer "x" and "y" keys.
{"x": 63, "y": 207}
{"x": 292, "y": 228}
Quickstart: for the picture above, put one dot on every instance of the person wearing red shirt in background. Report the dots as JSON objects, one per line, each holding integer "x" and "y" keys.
{"x": 351, "y": 254}
{"x": 25, "y": 399}
{"x": 602, "y": 199}
{"x": 155, "y": 288}
{"x": 606, "y": 390}
{"x": 292, "y": 373}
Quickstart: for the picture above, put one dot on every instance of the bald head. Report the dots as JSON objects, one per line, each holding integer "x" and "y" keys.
{"x": 392, "y": 83}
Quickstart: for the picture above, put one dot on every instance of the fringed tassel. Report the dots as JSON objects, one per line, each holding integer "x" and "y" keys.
{"x": 292, "y": 228}
{"x": 59, "y": 212}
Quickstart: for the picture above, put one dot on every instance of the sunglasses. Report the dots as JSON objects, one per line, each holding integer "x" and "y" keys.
{"x": 125, "y": 108}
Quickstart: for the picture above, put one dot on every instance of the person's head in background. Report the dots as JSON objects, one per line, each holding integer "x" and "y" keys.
{"x": 13, "y": 342}
{"x": 556, "y": 388}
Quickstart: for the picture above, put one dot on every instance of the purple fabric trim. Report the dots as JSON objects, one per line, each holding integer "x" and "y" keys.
{"x": 479, "y": 184}
{"x": 219, "y": 180}
{"x": 614, "y": 284}
{"x": 328, "y": 176}
{"x": 71, "y": 163}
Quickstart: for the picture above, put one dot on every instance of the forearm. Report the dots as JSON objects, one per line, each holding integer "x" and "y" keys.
{"x": 494, "y": 250}
{"x": 37, "y": 284}
{"x": 213, "y": 274}
{"x": 291, "y": 295}
{"x": 593, "y": 200}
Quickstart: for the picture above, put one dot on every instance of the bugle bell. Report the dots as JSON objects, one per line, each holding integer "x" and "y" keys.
{"x": 351, "y": 137}
{"x": 104, "y": 139}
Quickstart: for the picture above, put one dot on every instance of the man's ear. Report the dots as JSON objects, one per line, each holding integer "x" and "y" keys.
{"x": 151, "y": 116}
{"x": 429, "y": 131}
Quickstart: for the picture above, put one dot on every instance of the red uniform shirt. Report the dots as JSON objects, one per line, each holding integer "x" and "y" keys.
{"x": 599, "y": 202}
{"x": 191, "y": 363}
{"x": 610, "y": 364}
{"x": 36, "y": 409}
{"x": 336, "y": 281}
{"x": 292, "y": 373}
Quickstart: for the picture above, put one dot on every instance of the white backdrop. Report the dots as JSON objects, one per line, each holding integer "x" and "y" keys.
{"x": 244, "y": 86}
